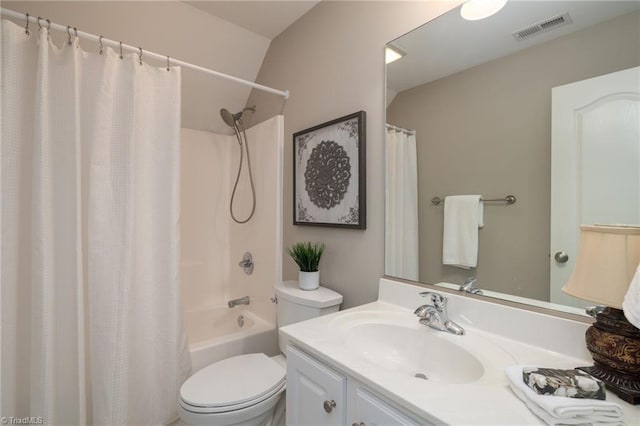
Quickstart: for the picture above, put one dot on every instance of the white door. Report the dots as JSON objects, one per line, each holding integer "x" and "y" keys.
{"x": 595, "y": 164}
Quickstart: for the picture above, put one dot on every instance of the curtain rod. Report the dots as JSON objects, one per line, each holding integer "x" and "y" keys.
{"x": 400, "y": 129}
{"x": 119, "y": 45}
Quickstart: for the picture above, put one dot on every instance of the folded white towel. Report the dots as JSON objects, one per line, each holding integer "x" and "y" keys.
{"x": 463, "y": 215}
{"x": 560, "y": 410}
{"x": 631, "y": 303}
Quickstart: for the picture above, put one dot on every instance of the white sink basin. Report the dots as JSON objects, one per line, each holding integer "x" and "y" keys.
{"x": 397, "y": 343}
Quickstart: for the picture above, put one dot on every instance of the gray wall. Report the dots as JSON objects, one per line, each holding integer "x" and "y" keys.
{"x": 487, "y": 130}
{"x": 332, "y": 62}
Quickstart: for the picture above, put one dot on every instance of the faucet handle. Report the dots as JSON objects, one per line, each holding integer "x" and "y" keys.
{"x": 425, "y": 311}
{"x": 470, "y": 280}
{"x": 438, "y": 300}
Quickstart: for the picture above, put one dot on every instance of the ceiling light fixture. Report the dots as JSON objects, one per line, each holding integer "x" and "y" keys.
{"x": 474, "y": 10}
{"x": 392, "y": 53}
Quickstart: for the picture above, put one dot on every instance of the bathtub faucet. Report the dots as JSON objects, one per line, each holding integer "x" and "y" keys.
{"x": 236, "y": 302}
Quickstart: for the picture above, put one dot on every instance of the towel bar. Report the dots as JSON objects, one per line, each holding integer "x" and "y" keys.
{"x": 509, "y": 199}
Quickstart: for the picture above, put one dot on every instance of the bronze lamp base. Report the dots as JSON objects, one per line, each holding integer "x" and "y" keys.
{"x": 614, "y": 344}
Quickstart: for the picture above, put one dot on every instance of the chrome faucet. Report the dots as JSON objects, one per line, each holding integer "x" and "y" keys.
{"x": 435, "y": 314}
{"x": 468, "y": 286}
{"x": 236, "y": 302}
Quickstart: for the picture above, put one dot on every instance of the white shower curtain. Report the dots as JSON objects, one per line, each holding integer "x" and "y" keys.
{"x": 401, "y": 223}
{"x": 91, "y": 319}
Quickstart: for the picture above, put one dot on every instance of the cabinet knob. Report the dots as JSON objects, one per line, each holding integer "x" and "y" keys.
{"x": 358, "y": 424}
{"x": 561, "y": 257}
{"x": 329, "y": 405}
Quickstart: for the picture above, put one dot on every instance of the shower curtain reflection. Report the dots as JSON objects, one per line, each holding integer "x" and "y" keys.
{"x": 401, "y": 226}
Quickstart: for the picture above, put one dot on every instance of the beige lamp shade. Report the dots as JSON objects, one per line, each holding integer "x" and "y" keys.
{"x": 608, "y": 257}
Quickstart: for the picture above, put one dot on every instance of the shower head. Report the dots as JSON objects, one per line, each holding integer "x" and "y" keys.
{"x": 228, "y": 118}
{"x": 231, "y": 119}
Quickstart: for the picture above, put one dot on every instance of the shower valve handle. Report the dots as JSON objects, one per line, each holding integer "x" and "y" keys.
{"x": 247, "y": 263}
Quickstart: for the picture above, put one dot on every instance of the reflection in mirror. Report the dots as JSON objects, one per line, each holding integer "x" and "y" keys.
{"x": 540, "y": 101}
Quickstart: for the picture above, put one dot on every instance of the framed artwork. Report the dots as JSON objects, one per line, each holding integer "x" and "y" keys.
{"x": 329, "y": 172}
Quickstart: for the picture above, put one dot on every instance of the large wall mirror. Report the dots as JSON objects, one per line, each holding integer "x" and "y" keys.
{"x": 540, "y": 101}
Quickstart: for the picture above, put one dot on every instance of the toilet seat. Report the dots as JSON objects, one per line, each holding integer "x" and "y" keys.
{"x": 232, "y": 408}
{"x": 233, "y": 384}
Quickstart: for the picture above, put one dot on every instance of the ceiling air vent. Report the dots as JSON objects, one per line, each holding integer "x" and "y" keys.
{"x": 542, "y": 26}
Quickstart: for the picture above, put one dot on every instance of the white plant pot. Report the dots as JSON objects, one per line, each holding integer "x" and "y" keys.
{"x": 308, "y": 280}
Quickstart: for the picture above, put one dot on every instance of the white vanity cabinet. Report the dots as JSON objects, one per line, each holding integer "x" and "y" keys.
{"x": 321, "y": 395}
{"x": 316, "y": 394}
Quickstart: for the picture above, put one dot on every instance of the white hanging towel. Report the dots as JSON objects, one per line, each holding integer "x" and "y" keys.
{"x": 631, "y": 304}
{"x": 463, "y": 215}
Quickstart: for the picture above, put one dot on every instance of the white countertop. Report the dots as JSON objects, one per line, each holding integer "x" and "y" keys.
{"x": 487, "y": 401}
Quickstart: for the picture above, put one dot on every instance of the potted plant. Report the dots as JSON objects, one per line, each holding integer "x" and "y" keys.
{"x": 307, "y": 255}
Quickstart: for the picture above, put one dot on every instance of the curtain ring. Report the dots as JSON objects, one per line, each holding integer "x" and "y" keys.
{"x": 140, "y": 55}
{"x": 75, "y": 30}
{"x": 26, "y": 27}
{"x": 48, "y": 28}
{"x": 69, "y": 35}
{"x": 39, "y": 25}
{"x": 168, "y": 63}
{"x": 101, "y": 45}
{"x": 121, "y": 57}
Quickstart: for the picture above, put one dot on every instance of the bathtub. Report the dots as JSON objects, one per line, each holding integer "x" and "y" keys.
{"x": 220, "y": 332}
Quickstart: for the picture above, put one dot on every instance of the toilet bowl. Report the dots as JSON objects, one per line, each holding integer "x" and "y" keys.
{"x": 247, "y": 389}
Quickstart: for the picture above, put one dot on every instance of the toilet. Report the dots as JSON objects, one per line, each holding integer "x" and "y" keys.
{"x": 246, "y": 389}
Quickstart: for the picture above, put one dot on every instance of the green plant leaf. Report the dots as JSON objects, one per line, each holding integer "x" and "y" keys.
{"x": 307, "y": 255}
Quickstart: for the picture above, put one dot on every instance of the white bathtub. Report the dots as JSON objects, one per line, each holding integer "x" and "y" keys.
{"x": 215, "y": 334}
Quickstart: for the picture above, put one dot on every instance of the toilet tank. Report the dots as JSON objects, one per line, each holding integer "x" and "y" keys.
{"x": 295, "y": 304}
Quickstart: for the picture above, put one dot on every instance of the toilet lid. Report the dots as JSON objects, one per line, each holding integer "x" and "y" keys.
{"x": 233, "y": 381}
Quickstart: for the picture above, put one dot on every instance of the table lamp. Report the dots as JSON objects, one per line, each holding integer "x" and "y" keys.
{"x": 608, "y": 257}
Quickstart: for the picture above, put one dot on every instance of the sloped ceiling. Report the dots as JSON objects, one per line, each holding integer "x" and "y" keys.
{"x": 267, "y": 18}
